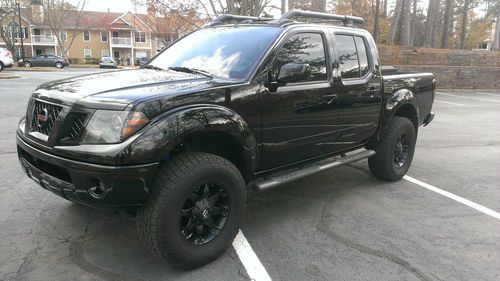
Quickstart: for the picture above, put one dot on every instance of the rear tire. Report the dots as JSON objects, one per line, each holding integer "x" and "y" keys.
{"x": 395, "y": 151}
{"x": 1, "y": 66}
{"x": 59, "y": 65}
{"x": 174, "y": 224}
{"x": 27, "y": 64}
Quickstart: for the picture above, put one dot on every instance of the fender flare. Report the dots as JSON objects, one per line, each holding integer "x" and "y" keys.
{"x": 397, "y": 100}
{"x": 170, "y": 129}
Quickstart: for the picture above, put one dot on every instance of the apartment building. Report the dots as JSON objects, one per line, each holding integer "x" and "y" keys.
{"x": 123, "y": 36}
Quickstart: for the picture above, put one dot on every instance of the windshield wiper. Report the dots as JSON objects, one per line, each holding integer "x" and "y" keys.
{"x": 191, "y": 70}
{"x": 149, "y": 66}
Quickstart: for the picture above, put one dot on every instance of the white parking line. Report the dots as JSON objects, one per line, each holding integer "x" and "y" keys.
{"x": 249, "y": 259}
{"x": 448, "y": 102}
{"x": 457, "y": 198}
{"x": 472, "y": 98}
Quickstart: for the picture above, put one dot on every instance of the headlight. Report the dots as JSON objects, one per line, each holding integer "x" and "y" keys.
{"x": 113, "y": 126}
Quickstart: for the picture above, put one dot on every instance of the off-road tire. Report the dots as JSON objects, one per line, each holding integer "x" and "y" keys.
{"x": 383, "y": 165}
{"x": 158, "y": 222}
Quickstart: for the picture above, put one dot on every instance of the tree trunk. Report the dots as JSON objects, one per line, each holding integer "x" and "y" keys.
{"x": 283, "y": 6}
{"x": 375, "y": 23}
{"x": 395, "y": 22}
{"x": 446, "y": 24}
{"x": 496, "y": 40}
{"x": 405, "y": 30}
{"x": 384, "y": 11}
{"x": 413, "y": 23}
{"x": 430, "y": 25}
{"x": 463, "y": 34}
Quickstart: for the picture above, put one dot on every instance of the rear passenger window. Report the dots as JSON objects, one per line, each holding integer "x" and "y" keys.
{"x": 362, "y": 55}
{"x": 353, "y": 57}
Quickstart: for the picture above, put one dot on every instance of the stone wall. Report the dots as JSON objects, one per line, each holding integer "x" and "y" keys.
{"x": 453, "y": 68}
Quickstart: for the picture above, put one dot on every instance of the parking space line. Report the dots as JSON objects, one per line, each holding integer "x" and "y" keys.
{"x": 457, "y": 198}
{"x": 472, "y": 98}
{"x": 249, "y": 259}
{"x": 448, "y": 102}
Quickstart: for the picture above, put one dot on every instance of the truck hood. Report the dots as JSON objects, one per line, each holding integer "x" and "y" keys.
{"x": 116, "y": 90}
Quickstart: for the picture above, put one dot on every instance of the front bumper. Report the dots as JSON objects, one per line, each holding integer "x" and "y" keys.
{"x": 125, "y": 187}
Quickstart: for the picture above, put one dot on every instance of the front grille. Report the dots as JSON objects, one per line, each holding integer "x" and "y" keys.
{"x": 43, "y": 117}
{"x": 73, "y": 128}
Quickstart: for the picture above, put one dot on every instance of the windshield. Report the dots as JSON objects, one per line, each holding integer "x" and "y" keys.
{"x": 227, "y": 52}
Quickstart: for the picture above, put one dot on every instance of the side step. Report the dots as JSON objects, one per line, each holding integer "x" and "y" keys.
{"x": 275, "y": 180}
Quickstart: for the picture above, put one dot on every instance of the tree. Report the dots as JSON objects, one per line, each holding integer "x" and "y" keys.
{"x": 446, "y": 23}
{"x": 413, "y": 23}
{"x": 62, "y": 16}
{"x": 463, "y": 32}
{"x": 496, "y": 40}
{"x": 179, "y": 16}
{"x": 376, "y": 27}
{"x": 431, "y": 23}
{"x": 395, "y": 22}
{"x": 237, "y": 7}
{"x": 405, "y": 29}
{"x": 10, "y": 30}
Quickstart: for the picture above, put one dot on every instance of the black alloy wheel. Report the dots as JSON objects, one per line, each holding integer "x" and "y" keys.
{"x": 204, "y": 213}
{"x": 401, "y": 150}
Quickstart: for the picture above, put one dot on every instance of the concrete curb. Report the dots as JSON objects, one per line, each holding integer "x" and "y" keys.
{"x": 8, "y": 76}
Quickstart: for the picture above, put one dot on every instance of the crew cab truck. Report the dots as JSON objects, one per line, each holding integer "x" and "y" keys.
{"x": 253, "y": 103}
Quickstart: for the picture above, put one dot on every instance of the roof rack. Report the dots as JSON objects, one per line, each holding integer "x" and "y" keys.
{"x": 227, "y": 17}
{"x": 346, "y": 20}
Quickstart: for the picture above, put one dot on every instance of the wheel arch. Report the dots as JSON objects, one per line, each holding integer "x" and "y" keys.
{"x": 204, "y": 128}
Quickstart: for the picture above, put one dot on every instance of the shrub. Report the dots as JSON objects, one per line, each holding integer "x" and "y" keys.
{"x": 74, "y": 60}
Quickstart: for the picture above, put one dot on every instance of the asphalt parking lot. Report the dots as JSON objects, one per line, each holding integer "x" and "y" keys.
{"x": 339, "y": 225}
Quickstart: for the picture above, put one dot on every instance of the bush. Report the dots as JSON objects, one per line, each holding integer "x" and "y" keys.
{"x": 74, "y": 60}
{"x": 91, "y": 60}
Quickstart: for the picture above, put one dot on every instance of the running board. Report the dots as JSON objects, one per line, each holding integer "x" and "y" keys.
{"x": 337, "y": 161}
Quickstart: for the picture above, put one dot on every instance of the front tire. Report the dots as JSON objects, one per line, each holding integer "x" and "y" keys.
{"x": 395, "y": 151}
{"x": 194, "y": 211}
{"x": 1, "y": 66}
{"x": 27, "y": 64}
{"x": 59, "y": 65}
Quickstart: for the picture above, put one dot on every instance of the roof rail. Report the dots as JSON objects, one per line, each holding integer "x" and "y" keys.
{"x": 227, "y": 17}
{"x": 346, "y": 20}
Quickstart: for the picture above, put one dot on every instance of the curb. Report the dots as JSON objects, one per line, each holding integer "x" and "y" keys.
{"x": 8, "y": 76}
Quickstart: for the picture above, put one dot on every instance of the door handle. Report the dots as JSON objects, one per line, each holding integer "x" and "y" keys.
{"x": 373, "y": 89}
{"x": 330, "y": 98}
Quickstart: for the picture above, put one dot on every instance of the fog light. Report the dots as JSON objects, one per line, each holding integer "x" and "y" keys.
{"x": 96, "y": 188}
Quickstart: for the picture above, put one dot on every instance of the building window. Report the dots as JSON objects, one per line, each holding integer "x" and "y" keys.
{"x": 104, "y": 53}
{"x": 86, "y": 36}
{"x": 87, "y": 53}
{"x": 64, "y": 35}
{"x": 104, "y": 36}
{"x": 140, "y": 37}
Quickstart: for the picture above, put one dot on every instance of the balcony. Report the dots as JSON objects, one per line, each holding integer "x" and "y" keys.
{"x": 43, "y": 39}
{"x": 121, "y": 42}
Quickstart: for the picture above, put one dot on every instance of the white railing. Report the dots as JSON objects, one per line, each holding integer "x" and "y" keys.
{"x": 121, "y": 41}
{"x": 43, "y": 39}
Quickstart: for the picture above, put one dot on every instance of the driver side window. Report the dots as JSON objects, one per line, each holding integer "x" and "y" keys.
{"x": 305, "y": 49}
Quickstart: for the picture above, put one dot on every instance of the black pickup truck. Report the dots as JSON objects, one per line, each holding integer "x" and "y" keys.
{"x": 255, "y": 103}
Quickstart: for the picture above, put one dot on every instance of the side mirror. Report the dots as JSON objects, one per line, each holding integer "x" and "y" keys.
{"x": 291, "y": 72}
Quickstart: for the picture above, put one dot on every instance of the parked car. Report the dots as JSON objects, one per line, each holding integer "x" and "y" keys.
{"x": 46, "y": 60}
{"x": 6, "y": 59}
{"x": 141, "y": 61}
{"x": 179, "y": 139}
{"x": 107, "y": 62}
